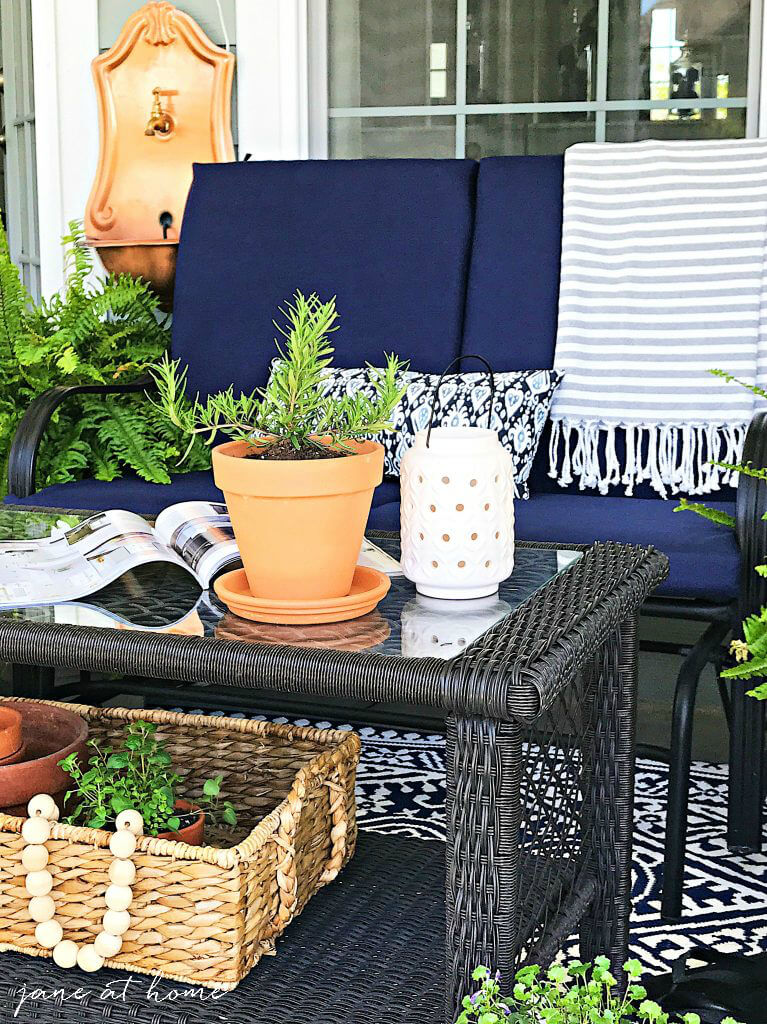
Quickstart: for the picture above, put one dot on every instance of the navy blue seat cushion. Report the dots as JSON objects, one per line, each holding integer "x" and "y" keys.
{"x": 566, "y": 518}
{"x": 384, "y": 516}
{"x": 513, "y": 289}
{"x": 137, "y": 495}
{"x": 582, "y": 519}
{"x": 704, "y": 557}
{"x": 385, "y": 493}
{"x": 130, "y": 493}
{"x": 389, "y": 238}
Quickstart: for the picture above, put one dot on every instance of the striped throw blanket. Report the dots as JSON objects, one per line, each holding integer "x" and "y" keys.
{"x": 663, "y": 278}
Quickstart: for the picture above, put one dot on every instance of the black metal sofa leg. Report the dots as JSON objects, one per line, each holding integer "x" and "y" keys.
{"x": 701, "y": 654}
{"x": 747, "y": 763}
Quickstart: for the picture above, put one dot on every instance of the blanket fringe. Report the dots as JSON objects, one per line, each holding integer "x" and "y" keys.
{"x": 675, "y": 459}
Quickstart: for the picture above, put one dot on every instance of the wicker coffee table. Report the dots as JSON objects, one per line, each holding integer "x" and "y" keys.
{"x": 539, "y": 689}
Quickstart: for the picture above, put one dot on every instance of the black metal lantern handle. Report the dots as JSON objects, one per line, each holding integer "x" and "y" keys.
{"x": 445, "y": 372}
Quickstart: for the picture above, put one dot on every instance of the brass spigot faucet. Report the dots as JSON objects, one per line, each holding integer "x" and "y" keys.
{"x": 160, "y": 122}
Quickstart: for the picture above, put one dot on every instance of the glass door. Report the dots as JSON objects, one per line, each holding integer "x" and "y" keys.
{"x": 489, "y": 77}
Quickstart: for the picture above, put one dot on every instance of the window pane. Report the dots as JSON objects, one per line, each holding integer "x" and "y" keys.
{"x": 352, "y": 138}
{"x": 525, "y": 134}
{"x": 386, "y": 53}
{"x": 531, "y": 51}
{"x": 687, "y": 49}
{"x": 634, "y": 125}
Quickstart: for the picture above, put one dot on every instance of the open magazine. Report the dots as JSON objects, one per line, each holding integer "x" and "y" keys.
{"x": 76, "y": 561}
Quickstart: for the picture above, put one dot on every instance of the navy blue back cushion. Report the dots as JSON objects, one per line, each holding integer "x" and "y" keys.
{"x": 389, "y": 238}
{"x": 513, "y": 291}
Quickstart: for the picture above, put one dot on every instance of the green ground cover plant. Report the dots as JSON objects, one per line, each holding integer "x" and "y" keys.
{"x": 579, "y": 993}
{"x": 138, "y": 776}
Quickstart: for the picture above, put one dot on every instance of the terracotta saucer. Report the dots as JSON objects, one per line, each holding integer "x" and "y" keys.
{"x": 368, "y": 587}
{"x": 15, "y": 757}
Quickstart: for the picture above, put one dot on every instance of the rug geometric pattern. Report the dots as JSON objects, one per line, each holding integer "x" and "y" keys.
{"x": 401, "y": 790}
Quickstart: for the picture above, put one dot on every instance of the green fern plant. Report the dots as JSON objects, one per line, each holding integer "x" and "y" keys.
{"x": 750, "y": 651}
{"x": 86, "y": 334}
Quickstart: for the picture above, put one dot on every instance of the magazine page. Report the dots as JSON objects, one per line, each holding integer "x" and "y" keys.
{"x": 376, "y": 558}
{"x": 199, "y": 532}
{"x": 77, "y": 561}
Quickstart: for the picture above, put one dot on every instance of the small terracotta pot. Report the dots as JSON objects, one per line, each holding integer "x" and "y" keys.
{"x": 299, "y": 525}
{"x": 191, "y": 834}
{"x": 10, "y": 731}
{"x": 49, "y": 735}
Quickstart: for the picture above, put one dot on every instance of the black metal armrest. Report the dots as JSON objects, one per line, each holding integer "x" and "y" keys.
{"x": 750, "y": 527}
{"x": 22, "y": 458}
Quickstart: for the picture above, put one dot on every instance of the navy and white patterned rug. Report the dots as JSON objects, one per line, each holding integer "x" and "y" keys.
{"x": 401, "y": 791}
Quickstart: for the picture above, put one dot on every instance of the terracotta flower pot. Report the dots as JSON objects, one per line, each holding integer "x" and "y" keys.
{"x": 299, "y": 524}
{"x": 191, "y": 834}
{"x": 10, "y": 731}
{"x": 49, "y": 734}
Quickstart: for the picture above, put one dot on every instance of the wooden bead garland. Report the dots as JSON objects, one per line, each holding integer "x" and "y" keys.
{"x": 49, "y": 934}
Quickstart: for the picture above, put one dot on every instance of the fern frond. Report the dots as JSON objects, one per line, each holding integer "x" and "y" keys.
{"x": 104, "y": 463}
{"x": 744, "y": 468}
{"x": 123, "y": 430}
{"x": 731, "y": 379}
{"x": 78, "y": 258}
{"x": 747, "y": 669}
{"x": 714, "y": 515}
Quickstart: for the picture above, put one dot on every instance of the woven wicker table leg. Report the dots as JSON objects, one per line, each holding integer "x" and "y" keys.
{"x": 36, "y": 682}
{"x": 483, "y": 817}
{"x": 610, "y": 797}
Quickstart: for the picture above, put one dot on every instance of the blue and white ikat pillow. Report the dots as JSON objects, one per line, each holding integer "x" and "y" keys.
{"x": 520, "y": 410}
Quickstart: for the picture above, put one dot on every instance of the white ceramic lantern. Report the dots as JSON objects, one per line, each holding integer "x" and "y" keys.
{"x": 457, "y": 509}
{"x": 457, "y": 513}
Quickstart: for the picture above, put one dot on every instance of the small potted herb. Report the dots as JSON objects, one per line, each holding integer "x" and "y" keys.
{"x": 300, "y": 470}
{"x": 140, "y": 777}
{"x": 574, "y": 994}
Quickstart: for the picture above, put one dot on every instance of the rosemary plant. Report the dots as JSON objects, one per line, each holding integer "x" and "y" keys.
{"x": 291, "y": 411}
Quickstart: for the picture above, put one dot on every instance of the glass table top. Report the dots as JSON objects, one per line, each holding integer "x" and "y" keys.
{"x": 165, "y": 598}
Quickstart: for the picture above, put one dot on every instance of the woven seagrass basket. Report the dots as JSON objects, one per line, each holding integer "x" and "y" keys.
{"x": 204, "y": 915}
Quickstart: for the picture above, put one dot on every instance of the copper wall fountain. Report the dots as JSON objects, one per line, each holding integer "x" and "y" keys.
{"x": 164, "y": 99}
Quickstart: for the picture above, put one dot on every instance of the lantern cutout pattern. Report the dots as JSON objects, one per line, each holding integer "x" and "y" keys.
{"x": 457, "y": 511}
